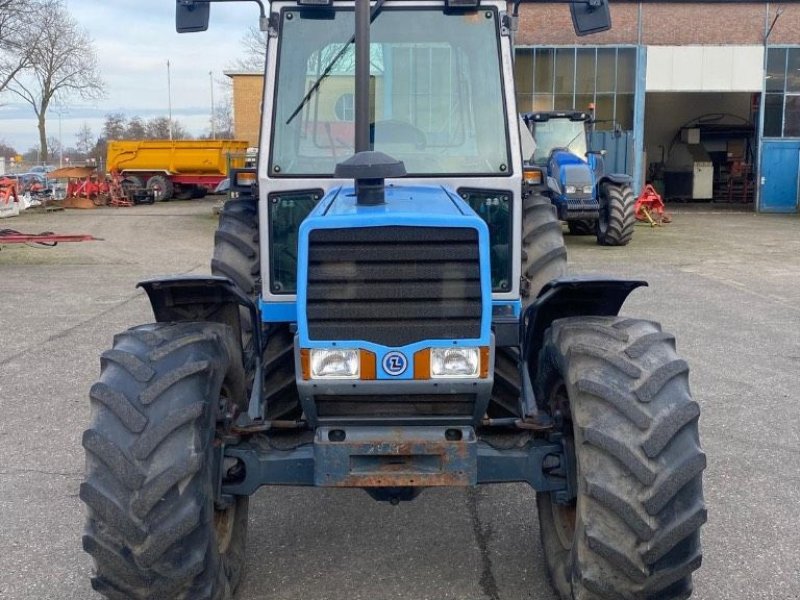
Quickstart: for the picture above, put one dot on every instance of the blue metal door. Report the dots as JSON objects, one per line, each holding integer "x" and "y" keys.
{"x": 780, "y": 164}
{"x": 618, "y": 145}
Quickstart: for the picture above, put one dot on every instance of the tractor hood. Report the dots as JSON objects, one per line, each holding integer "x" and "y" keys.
{"x": 402, "y": 203}
{"x": 571, "y": 170}
{"x": 409, "y": 271}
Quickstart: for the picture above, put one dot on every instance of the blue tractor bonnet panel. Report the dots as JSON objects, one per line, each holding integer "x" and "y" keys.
{"x": 405, "y": 206}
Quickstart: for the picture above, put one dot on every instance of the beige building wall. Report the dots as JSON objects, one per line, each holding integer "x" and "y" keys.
{"x": 248, "y": 89}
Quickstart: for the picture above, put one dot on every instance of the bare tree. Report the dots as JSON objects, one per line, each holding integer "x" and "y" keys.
{"x": 223, "y": 119}
{"x": 63, "y": 65}
{"x": 18, "y": 37}
{"x": 221, "y": 124}
{"x": 85, "y": 140}
{"x": 114, "y": 126}
{"x": 254, "y": 44}
{"x": 157, "y": 128}
{"x": 7, "y": 151}
{"x": 136, "y": 129}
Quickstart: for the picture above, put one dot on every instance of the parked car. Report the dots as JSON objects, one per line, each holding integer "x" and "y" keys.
{"x": 42, "y": 169}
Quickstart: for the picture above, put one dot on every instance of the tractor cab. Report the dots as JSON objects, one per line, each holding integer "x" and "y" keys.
{"x": 558, "y": 132}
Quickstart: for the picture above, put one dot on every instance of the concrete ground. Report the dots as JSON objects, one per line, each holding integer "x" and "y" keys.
{"x": 726, "y": 283}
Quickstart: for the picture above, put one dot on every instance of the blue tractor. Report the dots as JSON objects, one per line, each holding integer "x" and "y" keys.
{"x": 591, "y": 201}
{"x": 389, "y": 309}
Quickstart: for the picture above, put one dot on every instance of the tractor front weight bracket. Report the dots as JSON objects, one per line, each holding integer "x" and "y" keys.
{"x": 413, "y": 457}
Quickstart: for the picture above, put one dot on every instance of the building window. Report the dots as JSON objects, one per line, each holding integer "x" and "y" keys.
{"x": 782, "y": 101}
{"x": 573, "y": 78}
{"x": 345, "y": 108}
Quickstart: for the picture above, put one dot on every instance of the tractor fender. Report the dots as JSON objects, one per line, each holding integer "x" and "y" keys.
{"x": 205, "y": 298}
{"x": 618, "y": 178}
{"x": 575, "y": 296}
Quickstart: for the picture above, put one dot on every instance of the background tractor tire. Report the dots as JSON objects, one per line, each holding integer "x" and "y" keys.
{"x": 616, "y": 220}
{"x": 631, "y": 425}
{"x": 582, "y": 227}
{"x": 237, "y": 256}
{"x": 544, "y": 257}
{"x": 161, "y": 187}
{"x": 153, "y": 528}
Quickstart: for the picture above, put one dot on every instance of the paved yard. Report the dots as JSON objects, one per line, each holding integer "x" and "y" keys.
{"x": 726, "y": 283}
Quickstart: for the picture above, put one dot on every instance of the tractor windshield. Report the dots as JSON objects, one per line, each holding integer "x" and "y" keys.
{"x": 437, "y": 96}
{"x": 558, "y": 133}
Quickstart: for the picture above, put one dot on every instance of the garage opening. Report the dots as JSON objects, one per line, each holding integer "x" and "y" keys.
{"x": 701, "y": 146}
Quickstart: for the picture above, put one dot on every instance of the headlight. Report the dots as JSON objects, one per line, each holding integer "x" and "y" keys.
{"x": 587, "y": 189}
{"x": 455, "y": 362}
{"x": 571, "y": 189}
{"x": 334, "y": 363}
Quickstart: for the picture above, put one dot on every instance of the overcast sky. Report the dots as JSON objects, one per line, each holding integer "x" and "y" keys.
{"x": 134, "y": 40}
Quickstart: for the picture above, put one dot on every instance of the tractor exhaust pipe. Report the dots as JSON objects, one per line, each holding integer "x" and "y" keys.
{"x": 362, "y": 103}
{"x": 367, "y": 168}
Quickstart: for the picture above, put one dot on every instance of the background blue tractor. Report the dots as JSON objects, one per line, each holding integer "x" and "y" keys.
{"x": 573, "y": 177}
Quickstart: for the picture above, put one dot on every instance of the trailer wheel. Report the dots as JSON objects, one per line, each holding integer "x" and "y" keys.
{"x": 237, "y": 256}
{"x": 582, "y": 227}
{"x": 616, "y": 220}
{"x": 630, "y": 430}
{"x": 182, "y": 192}
{"x": 134, "y": 181}
{"x": 133, "y": 187}
{"x": 154, "y": 528}
{"x": 544, "y": 258}
{"x": 161, "y": 187}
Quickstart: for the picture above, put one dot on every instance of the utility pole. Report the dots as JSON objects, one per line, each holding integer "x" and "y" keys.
{"x": 213, "y": 117}
{"x": 60, "y": 142}
{"x": 169, "y": 98}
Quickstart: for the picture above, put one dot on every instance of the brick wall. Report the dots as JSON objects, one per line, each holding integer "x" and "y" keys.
{"x": 247, "y": 91}
{"x": 664, "y": 23}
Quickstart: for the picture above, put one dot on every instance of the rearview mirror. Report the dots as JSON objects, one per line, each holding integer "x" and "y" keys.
{"x": 191, "y": 16}
{"x": 590, "y": 16}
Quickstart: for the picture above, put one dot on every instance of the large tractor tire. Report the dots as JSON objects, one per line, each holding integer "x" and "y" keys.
{"x": 237, "y": 256}
{"x": 161, "y": 188}
{"x": 154, "y": 528}
{"x": 582, "y": 227}
{"x": 544, "y": 258}
{"x": 616, "y": 220}
{"x": 544, "y": 255}
{"x": 629, "y": 423}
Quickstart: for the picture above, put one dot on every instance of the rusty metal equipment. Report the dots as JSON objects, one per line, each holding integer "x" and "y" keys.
{"x": 85, "y": 187}
{"x": 9, "y": 198}
{"x": 650, "y": 208}
{"x": 46, "y": 238}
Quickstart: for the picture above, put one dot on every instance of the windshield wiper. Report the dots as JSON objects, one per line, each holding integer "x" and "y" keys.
{"x": 327, "y": 70}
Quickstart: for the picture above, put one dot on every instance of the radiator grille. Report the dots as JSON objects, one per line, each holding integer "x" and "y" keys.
{"x": 393, "y": 285}
{"x": 428, "y": 405}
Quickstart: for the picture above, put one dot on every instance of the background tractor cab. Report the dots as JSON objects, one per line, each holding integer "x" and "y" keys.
{"x": 590, "y": 200}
